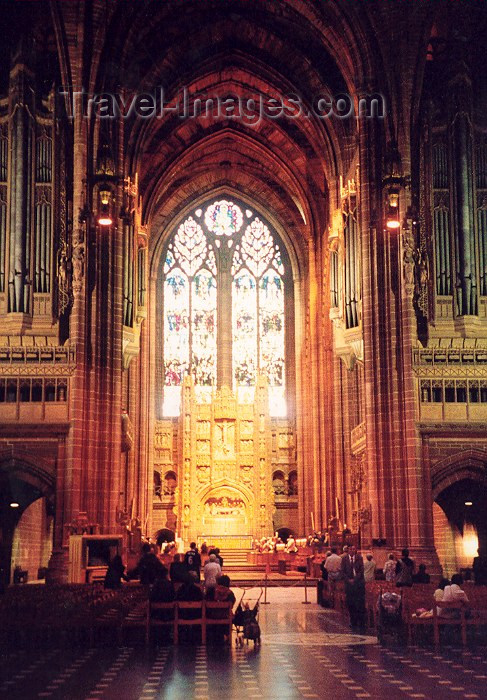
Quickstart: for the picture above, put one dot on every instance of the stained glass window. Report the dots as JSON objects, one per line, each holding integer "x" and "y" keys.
{"x": 176, "y": 338}
{"x": 251, "y": 341}
{"x": 223, "y": 218}
{"x": 244, "y": 322}
{"x": 203, "y": 323}
{"x": 271, "y": 327}
{"x": 257, "y": 247}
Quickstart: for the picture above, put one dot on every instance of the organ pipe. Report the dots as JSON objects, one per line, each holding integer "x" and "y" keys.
{"x": 351, "y": 281}
{"x": 128, "y": 273}
{"x": 3, "y": 241}
{"x": 20, "y": 198}
{"x": 466, "y": 299}
{"x": 334, "y": 279}
{"x": 461, "y": 138}
{"x": 482, "y": 229}
{"x": 43, "y": 255}
{"x": 44, "y": 160}
{"x": 441, "y": 223}
{"x": 141, "y": 278}
{"x": 3, "y": 158}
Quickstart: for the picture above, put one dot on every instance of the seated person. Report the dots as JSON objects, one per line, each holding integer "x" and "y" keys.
{"x": 220, "y": 594}
{"x": 421, "y": 576}
{"x": 291, "y": 547}
{"x": 162, "y": 592}
{"x": 454, "y": 594}
{"x": 438, "y": 594}
{"x": 189, "y": 592}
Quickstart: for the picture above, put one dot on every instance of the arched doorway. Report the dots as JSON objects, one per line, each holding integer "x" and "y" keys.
{"x": 460, "y": 523}
{"x": 26, "y": 521}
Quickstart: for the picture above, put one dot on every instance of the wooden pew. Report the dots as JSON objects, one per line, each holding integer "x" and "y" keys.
{"x": 166, "y": 620}
{"x": 223, "y": 617}
{"x": 197, "y": 621}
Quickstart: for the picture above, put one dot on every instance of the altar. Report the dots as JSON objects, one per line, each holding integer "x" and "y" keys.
{"x": 225, "y": 487}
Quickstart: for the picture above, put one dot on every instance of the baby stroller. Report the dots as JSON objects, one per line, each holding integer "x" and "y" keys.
{"x": 390, "y": 626}
{"x": 245, "y": 620}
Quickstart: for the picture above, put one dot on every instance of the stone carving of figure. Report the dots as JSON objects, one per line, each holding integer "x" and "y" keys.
{"x": 78, "y": 261}
{"x": 408, "y": 257}
{"x": 62, "y": 275}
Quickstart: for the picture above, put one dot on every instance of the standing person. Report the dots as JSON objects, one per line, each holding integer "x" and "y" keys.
{"x": 369, "y": 568}
{"x": 216, "y": 552}
{"x": 192, "y": 560}
{"x": 333, "y": 565}
{"x": 480, "y": 568}
{"x": 390, "y": 568}
{"x": 148, "y": 568}
{"x": 352, "y": 570}
{"x": 178, "y": 570}
{"x": 219, "y": 558}
{"x": 211, "y": 572}
{"x": 404, "y": 570}
{"x": 324, "y": 570}
{"x": 115, "y": 574}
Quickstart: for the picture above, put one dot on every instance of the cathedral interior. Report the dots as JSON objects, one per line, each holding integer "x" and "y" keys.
{"x": 243, "y": 275}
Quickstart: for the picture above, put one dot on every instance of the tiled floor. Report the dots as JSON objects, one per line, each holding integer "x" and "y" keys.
{"x": 306, "y": 652}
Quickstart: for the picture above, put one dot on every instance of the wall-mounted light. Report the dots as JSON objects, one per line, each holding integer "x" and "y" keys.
{"x": 468, "y": 503}
{"x": 393, "y": 181}
{"x": 104, "y": 213}
{"x": 14, "y": 504}
{"x": 392, "y": 214}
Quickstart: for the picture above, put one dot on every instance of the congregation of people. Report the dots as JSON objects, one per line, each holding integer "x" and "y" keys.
{"x": 356, "y": 571}
{"x": 192, "y": 577}
{"x": 184, "y": 573}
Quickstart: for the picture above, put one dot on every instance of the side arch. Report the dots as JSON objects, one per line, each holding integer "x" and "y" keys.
{"x": 467, "y": 464}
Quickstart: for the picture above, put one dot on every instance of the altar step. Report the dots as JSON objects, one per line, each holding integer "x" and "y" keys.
{"x": 234, "y": 558}
{"x": 245, "y": 574}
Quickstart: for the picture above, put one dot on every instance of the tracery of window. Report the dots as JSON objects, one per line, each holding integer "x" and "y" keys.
{"x": 214, "y": 244}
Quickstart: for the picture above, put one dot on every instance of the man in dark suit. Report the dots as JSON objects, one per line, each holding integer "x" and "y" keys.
{"x": 353, "y": 574}
{"x": 480, "y": 568}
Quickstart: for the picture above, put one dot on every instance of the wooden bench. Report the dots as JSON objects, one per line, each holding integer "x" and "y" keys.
{"x": 135, "y": 618}
{"x": 223, "y": 617}
{"x": 210, "y": 614}
{"x": 196, "y": 621}
{"x": 465, "y": 616}
{"x": 169, "y": 618}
